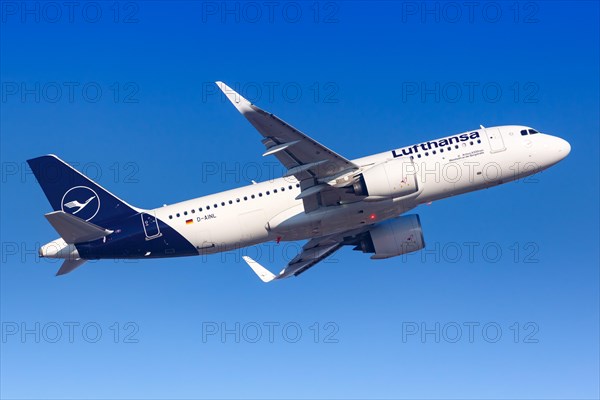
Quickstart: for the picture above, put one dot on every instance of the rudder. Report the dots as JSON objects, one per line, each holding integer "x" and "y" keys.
{"x": 70, "y": 191}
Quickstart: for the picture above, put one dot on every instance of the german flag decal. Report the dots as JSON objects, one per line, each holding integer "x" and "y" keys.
{"x": 189, "y": 221}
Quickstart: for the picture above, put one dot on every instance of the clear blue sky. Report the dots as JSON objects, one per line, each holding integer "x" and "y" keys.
{"x": 123, "y": 92}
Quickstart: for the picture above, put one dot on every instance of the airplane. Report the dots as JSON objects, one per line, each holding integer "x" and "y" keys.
{"x": 323, "y": 198}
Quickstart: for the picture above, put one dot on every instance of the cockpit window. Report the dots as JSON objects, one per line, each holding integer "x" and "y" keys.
{"x": 528, "y": 132}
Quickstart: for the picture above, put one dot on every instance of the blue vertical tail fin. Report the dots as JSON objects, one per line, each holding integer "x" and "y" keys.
{"x": 70, "y": 191}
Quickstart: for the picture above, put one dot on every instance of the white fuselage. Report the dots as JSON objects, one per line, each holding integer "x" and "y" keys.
{"x": 442, "y": 168}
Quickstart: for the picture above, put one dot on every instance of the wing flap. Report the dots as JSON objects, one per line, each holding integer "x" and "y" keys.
{"x": 308, "y": 258}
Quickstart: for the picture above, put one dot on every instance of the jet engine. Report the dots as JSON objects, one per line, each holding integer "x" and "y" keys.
{"x": 393, "y": 237}
{"x": 390, "y": 179}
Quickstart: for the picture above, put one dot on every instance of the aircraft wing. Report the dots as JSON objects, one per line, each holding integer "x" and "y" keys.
{"x": 314, "y": 251}
{"x": 309, "y": 161}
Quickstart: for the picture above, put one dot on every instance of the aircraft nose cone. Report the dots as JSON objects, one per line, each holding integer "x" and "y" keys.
{"x": 554, "y": 150}
{"x": 564, "y": 148}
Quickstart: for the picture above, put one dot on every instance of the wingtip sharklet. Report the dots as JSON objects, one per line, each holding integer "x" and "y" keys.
{"x": 264, "y": 274}
{"x": 234, "y": 97}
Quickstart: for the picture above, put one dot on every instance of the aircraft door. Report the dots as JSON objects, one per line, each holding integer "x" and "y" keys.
{"x": 495, "y": 139}
{"x": 150, "y": 224}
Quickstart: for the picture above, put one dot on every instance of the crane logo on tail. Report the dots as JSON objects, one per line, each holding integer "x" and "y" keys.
{"x": 82, "y": 202}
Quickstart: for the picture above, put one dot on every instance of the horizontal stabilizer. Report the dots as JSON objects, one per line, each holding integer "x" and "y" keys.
{"x": 75, "y": 230}
{"x": 70, "y": 265}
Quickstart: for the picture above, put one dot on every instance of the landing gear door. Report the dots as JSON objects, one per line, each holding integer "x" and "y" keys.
{"x": 150, "y": 224}
{"x": 495, "y": 140}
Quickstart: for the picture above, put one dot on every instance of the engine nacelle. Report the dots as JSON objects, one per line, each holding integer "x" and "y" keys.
{"x": 392, "y": 238}
{"x": 389, "y": 179}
